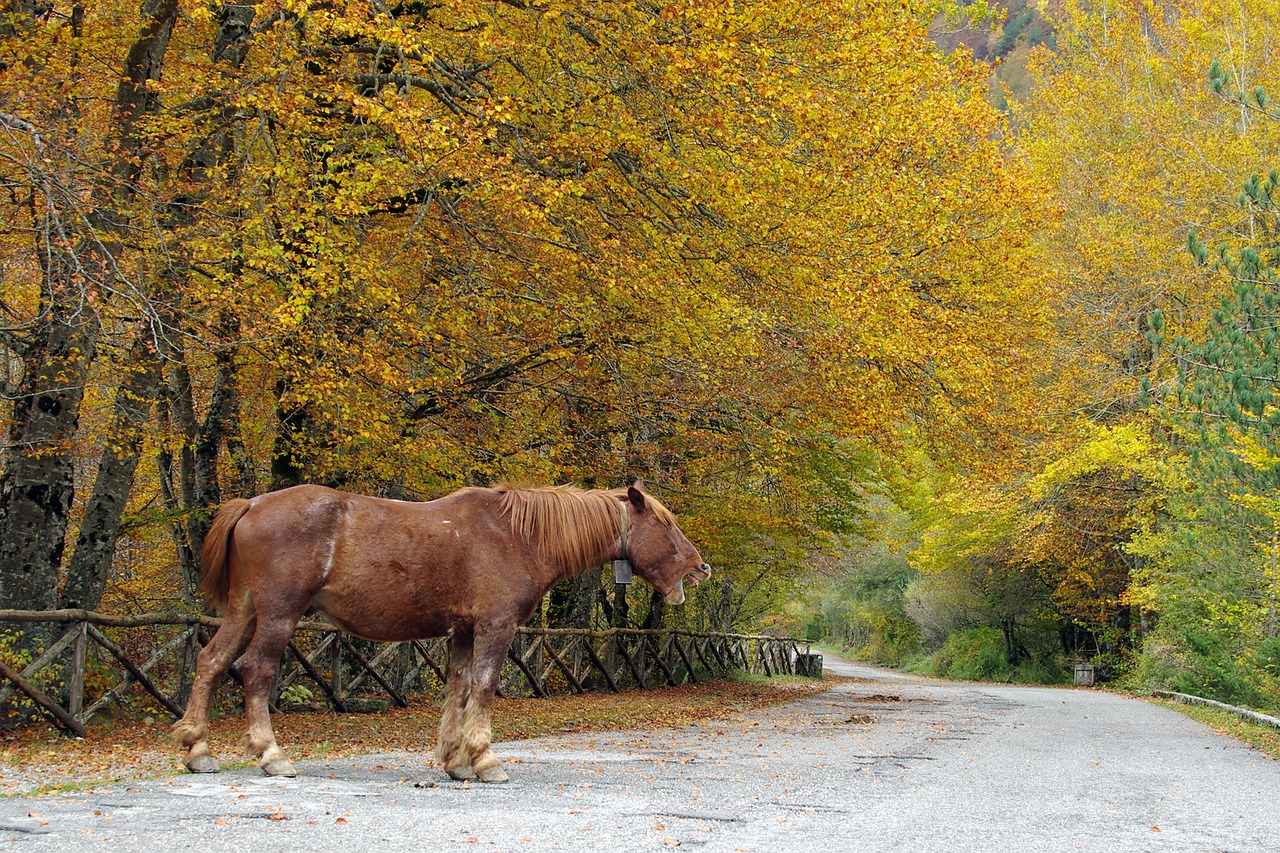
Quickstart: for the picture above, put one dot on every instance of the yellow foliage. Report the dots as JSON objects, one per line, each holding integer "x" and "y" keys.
{"x": 473, "y": 241}
{"x": 1140, "y": 150}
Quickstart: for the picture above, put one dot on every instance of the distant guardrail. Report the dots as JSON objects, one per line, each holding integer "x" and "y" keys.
{"x": 1246, "y": 713}
{"x": 102, "y": 660}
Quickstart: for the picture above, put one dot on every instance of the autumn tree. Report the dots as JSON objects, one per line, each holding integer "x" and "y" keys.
{"x": 401, "y": 248}
{"x": 70, "y": 192}
{"x": 1141, "y": 146}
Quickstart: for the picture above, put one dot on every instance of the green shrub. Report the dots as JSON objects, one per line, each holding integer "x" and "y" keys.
{"x": 1214, "y": 672}
{"x": 973, "y": 654}
{"x": 978, "y": 654}
{"x": 1040, "y": 671}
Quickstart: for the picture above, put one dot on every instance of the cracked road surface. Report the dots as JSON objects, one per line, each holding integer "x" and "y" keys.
{"x": 883, "y": 762}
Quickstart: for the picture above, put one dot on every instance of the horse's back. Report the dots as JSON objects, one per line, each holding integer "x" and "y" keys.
{"x": 380, "y": 568}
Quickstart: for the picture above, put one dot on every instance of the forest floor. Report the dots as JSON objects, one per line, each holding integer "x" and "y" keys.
{"x": 133, "y": 746}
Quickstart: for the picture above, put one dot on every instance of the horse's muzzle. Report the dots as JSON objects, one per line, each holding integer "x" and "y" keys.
{"x": 694, "y": 576}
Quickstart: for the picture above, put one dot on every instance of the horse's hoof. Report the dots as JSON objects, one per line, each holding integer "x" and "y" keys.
{"x": 493, "y": 774}
{"x": 202, "y": 764}
{"x": 279, "y": 767}
{"x": 461, "y": 774}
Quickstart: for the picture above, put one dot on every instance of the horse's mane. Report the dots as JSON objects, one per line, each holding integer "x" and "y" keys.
{"x": 568, "y": 526}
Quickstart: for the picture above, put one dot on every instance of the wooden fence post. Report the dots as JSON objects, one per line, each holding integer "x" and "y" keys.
{"x": 335, "y": 668}
{"x": 75, "y": 697}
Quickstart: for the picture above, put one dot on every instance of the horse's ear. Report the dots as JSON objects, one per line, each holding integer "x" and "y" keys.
{"x": 635, "y": 495}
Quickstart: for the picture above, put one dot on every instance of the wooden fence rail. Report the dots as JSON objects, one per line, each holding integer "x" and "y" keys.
{"x": 148, "y": 660}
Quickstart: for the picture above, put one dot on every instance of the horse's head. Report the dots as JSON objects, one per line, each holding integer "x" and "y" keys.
{"x": 658, "y": 549}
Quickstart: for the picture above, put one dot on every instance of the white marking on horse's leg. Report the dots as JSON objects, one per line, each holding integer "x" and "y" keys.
{"x": 477, "y": 739}
{"x": 192, "y": 735}
{"x": 191, "y": 729}
{"x": 449, "y": 741}
{"x": 260, "y": 741}
{"x": 477, "y": 727}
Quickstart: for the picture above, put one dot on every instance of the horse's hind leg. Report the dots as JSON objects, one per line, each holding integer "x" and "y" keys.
{"x": 192, "y": 731}
{"x": 449, "y": 750}
{"x": 261, "y": 661}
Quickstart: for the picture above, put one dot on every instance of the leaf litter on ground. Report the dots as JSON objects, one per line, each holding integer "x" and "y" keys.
{"x": 37, "y": 758}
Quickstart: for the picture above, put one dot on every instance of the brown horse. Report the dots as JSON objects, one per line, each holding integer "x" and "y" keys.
{"x": 471, "y": 566}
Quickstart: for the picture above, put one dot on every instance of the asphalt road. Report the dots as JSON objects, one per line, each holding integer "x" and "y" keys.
{"x": 885, "y": 763}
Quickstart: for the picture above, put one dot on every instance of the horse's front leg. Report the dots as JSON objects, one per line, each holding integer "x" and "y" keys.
{"x": 449, "y": 751}
{"x": 477, "y": 728}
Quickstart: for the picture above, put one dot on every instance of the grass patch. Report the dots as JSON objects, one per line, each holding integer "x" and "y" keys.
{"x": 38, "y": 758}
{"x": 1263, "y": 738}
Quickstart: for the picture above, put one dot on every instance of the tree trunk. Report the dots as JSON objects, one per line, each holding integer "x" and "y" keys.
{"x": 720, "y": 615}
{"x": 190, "y": 489}
{"x": 90, "y": 565}
{"x": 657, "y": 611}
{"x": 39, "y": 477}
{"x": 572, "y": 604}
{"x": 618, "y": 610}
{"x": 293, "y": 425}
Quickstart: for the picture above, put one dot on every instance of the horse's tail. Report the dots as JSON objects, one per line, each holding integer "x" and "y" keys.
{"x": 216, "y": 581}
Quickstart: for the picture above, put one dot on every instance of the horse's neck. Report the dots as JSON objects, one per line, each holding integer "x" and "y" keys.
{"x": 616, "y": 549}
{"x": 604, "y": 555}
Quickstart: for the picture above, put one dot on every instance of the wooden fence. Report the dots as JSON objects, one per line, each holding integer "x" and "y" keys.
{"x": 147, "y": 661}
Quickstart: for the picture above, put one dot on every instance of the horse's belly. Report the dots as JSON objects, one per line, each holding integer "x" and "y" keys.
{"x": 374, "y": 621}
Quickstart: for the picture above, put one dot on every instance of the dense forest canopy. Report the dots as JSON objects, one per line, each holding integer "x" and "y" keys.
{"x": 1139, "y": 534}
{"x": 938, "y": 360}
{"x": 405, "y": 248}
